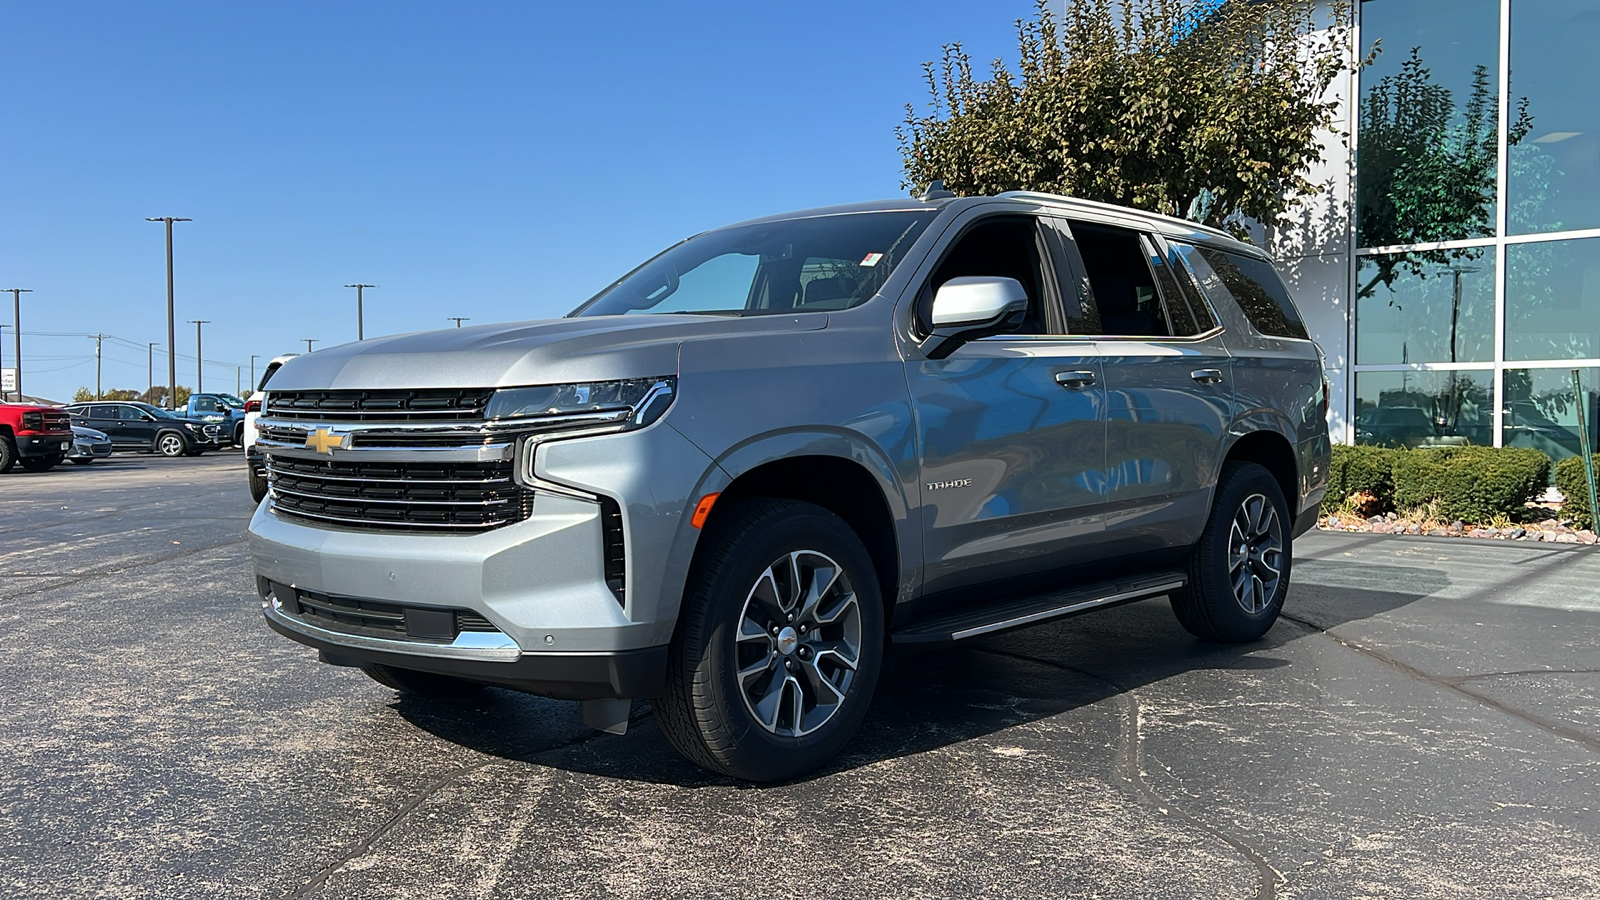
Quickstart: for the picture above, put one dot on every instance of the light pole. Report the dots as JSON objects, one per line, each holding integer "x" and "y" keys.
{"x": 459, "y": 319}
{"x": 150, "y": 365}
{"x": 3, "y": 353}
{"x": 360, "y": 329}
{"x": 98, "y": 340}
{"x": 253, "y": 371}
{"x": 199, "y": 360}
{"x": 309, "y": 342}
{"x": 16, "y": 329}
{"x": 172, "y": 334}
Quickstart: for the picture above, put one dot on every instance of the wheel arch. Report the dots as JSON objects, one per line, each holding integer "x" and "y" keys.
{"x": 845, "y": 476}
{"x": 1271, "y": 450}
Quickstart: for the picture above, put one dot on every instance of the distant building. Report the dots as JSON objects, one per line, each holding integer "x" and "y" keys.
{"x": 1452, "y": 271}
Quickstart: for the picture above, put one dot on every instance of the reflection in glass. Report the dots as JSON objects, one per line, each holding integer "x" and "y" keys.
{"x": 1425, "y": 307}
{"x": 1425, "y": 409}
{"x": 1429, "y": 136}
{"x": 1541, "y": 411}
{"x": 1553, "y": 174}
{"x": 1553, "y": 300}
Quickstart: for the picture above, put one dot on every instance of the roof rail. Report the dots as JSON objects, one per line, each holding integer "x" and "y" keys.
{"x": 1061, "y": 198}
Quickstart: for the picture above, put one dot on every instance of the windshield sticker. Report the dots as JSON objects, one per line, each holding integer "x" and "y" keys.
{"x": 871, "y": 259}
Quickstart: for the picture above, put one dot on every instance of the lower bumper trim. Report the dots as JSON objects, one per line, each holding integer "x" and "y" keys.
{"x": 620, "y": 674}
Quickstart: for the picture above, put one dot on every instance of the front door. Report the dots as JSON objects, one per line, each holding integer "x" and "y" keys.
{"x": 1011, "y": 426}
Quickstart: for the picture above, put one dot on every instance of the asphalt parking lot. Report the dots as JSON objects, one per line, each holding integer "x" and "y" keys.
{"x": 1426, "y": 723}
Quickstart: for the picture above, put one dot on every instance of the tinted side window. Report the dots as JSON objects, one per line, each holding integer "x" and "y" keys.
{"x": 1188, "y": 294}
{"x": 130, "y": 414}
{"x": 102, "y": 412}
{"x": 267, "y": 376}
{"x": 1259, "y": 291}
{"x": 1120, "y": 278}
{"x": 1006, "y": 247}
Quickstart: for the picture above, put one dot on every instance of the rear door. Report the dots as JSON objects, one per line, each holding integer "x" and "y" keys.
{"x": 1011, "y": 426}
{"x": 1169, "y": 385}
{"x": 138, "y": 427}
{"x": 103, "y": 417}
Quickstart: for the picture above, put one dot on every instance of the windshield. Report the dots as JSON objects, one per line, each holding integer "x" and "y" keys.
{"x": 156, "y": 411}
{"x": 230, "y": 399}
{"x": 794, "y": 265}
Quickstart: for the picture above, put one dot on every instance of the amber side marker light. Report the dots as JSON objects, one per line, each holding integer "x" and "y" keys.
{"x": 703, "y": 509}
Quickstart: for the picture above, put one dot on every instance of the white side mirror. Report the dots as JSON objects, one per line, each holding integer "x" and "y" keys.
{"x": 975, "y": 301}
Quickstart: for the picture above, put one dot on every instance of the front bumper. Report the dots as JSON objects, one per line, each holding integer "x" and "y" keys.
{"x": 89, "y": 450}
{"x": 622, "y": 674}
{"x": 34, "y": 445}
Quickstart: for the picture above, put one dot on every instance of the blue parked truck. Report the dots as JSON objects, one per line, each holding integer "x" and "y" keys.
{"x": 224, "y": 409}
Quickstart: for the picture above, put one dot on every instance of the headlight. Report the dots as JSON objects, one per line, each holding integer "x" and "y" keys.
{"x": 191, "y": 426}
{"x": 631, "y": 404}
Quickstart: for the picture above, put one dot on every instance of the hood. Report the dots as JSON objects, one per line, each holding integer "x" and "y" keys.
{"x": 549, "y": 351}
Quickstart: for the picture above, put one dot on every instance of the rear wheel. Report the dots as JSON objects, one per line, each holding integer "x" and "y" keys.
{"x": 421, "y": 684}
{"x": 170, "y": 444}
{"x": 8, "y": 453}
{"x": 41, "y": 463}
{"x": 779, "y": 645}
{"x": 1239, "y": 573}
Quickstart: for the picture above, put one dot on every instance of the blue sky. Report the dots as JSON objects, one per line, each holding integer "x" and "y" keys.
{"x": 500, "y": 161}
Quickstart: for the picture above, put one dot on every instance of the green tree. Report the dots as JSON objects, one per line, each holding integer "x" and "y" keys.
{"x": 157, "y": 396}
{"x": 82, "y": 395}
{"x": 1206, "y": 111}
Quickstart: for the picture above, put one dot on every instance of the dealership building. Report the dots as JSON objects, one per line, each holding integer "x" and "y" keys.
{"x": 1451, "y": 269}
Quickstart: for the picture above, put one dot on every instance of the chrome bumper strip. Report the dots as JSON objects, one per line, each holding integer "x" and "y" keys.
{"x": 482, "y": 646}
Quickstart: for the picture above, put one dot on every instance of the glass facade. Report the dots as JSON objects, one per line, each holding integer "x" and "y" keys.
{"x": 1477, "y": 274}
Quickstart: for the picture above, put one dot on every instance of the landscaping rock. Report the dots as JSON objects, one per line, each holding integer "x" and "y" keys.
{"x": 1566, "y": 539}
{"x": 1438, "y": 532}
{"x": 1413, "y": 528}
{"x": 1381, "y": 528}
{"x": 1516, "y": 534}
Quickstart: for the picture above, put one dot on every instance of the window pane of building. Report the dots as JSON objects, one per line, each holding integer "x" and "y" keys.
{"x": 1429, "y": 121}
{"x": 1554, "y": 163}
{"x": 1425, "y": 409}
{"x": 1553, "y": 300}
{"x": 1425, "y": 307}
{"x": 1542, "y": 410}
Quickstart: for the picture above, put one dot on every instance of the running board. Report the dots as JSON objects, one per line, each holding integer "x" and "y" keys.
{"x": 972, "y": 622}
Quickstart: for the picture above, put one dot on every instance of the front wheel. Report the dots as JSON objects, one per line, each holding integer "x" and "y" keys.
{"x": 258, "y": 484}
{"x": 8, "y": 453}
{"x": 170, "y": 444}
{"x": 41, "y": 463}
{"x": 779, "y": 645}
{"x": 1239, "y": 573}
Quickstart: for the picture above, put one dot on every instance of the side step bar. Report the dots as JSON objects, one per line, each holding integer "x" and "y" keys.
{"x": 966, "y": 623}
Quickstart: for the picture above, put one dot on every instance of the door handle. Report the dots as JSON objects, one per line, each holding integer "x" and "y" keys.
{"x": 1207, "y": 376}
{"x": 1074, "y": 381}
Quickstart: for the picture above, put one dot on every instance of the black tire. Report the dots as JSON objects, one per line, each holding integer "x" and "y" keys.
{"x": 421, "y": 684}
{"x": 41, "y": 463}
{"x": 83, "y": 462}
{"x": 1249, "y": 525}
{"x": 238, "y": 436}
{"x": 705, "y": 712}
{"x": 258, "y": 484}
{"x": 170, "y": 444}
{"x": 8, "y": 453}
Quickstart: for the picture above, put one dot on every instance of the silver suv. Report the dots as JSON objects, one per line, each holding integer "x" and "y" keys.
{"x": 729, "y": 481}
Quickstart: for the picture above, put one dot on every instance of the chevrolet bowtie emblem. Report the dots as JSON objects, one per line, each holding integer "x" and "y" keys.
{"x": 324, "y": 440}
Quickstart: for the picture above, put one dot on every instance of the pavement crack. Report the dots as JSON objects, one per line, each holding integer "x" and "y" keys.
{"x": 1456, "y": 685}
{"x": 1130, "y": 766}
{"x": 429, "y": 790}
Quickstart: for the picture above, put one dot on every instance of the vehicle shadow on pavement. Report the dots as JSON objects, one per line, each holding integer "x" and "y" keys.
{"x": 931, "y": 699}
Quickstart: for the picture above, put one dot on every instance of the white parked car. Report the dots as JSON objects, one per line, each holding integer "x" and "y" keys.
{"x": 255, "y": 463}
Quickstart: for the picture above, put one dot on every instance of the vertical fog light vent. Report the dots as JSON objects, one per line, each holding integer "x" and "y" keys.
{"x": 615, "y": 554}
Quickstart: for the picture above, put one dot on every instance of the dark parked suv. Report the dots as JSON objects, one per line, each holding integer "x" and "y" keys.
{"x": 140, "y": 426}
{"x": 736, "y": 475}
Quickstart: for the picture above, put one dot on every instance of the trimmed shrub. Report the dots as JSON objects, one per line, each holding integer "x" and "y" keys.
{"x": 1470, "y": 484}
{"x": 1572, "y": 483}
{"x": 1364, "y": 469}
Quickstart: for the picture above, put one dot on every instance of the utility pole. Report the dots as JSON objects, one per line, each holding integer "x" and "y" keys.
{"x": 3, "y": 353}
{"x": 98, "y": 340}
{"x": 310, "y": 341}
{"x": 16, "y": 329}
{"x": 360, "y": 330}
{"x": 238, "y": 379}
{"x": 459, "y": 319}
{"x": 253, "y": 372}
{"x": 172, "y": 334}
{"x": 150, "y": 364}
{"x": 199, "y": 360}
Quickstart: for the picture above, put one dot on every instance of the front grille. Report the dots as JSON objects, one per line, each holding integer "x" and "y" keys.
{"x": 396, "y": 438}
{"x": 422, "y": 405}
{"x": 372, "y": 618}
{"x": 57, "y": 420}
{"x": 418, "y": 497}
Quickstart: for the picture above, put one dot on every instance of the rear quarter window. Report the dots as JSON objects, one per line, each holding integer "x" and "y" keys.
{"x": 1259, "y": 292}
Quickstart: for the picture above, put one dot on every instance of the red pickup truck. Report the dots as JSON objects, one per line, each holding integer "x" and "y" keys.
{"x": 37, "y": 436}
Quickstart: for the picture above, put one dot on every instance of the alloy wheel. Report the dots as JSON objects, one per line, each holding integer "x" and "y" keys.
{"x": 1255, "y": 553}
{"x": 799, "y": 643}
{"x": 171, "y": 445}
